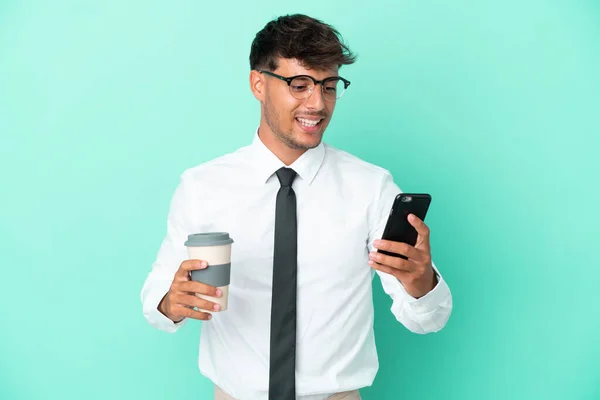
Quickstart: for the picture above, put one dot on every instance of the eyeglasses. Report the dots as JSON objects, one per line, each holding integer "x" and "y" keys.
{"x": 302, "y": 86}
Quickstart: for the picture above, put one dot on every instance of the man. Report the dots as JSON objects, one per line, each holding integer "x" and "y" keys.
{"x": 299, "y": 323}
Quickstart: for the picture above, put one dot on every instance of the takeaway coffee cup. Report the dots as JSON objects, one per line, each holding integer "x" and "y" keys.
{"x": 215, "y": 249}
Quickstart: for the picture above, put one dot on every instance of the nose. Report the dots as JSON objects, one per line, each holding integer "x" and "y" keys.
{"x": 316, "y": 101}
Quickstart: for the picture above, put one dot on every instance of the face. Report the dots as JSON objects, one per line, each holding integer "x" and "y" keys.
{"x": 299, "y": 124}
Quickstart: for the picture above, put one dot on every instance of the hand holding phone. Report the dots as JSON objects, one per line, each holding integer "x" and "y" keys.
{"x": 398, "y": 228}
{"x": 404, "y": 251}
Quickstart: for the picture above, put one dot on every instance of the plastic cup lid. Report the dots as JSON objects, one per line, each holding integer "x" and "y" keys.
{"x": 208, "y": 239}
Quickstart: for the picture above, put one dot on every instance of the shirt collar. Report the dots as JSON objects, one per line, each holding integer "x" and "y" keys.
{"x": 306, "y": 166}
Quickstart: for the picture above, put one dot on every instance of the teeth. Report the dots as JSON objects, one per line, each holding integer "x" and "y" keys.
{"x": 308, "y": 122}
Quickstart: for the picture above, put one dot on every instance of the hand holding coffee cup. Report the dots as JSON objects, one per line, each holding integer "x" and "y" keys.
{"x": 183, "y": 295}
{"x": 215, "y": 249}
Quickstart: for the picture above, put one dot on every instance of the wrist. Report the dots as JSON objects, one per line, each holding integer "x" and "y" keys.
{"x": 163, "y": 307}
{"x": 422, "y": 287}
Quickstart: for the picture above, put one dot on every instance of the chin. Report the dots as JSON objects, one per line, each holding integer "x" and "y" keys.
{"x": 309, "y": 137}
{"x": 308, "y": 140}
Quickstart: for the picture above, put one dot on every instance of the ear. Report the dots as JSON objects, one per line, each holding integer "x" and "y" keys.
{"x": 258, "y": 85}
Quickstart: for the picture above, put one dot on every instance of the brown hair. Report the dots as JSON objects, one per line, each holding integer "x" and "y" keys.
{"x": 313, "y": 43}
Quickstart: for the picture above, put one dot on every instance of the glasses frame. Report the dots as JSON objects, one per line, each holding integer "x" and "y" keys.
{"x": 289, "y": 80}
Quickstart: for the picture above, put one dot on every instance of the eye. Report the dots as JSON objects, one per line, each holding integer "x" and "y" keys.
{"x": 332, "y": 85}
{"x": 301, "y": 84}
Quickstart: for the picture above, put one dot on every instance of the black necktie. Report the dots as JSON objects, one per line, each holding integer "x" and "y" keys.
{"x": 282, "y": 378}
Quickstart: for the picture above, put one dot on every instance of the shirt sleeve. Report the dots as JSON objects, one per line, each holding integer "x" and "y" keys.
{"x": 172, "y": 252}
{"x": 427, "y": 314}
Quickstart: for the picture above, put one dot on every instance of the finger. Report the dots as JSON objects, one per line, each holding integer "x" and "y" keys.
{"x": 183, "y": 273}
{"x": 391, "y": 261}
{"x": 191, "y": 313}
{"x": 195, "y": 301}
{"x": 402, "y": 276}
{"x": 384, "y": 268}
{"x": 400, "y": 248}
{"x": 198, "y": 287}
{"x": 420, "y": 226}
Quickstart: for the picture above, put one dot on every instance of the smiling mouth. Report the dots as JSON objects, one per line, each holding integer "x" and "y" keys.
{"x": 309, "y": 123}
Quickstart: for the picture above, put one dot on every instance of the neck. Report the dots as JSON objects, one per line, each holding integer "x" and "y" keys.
{"x": 285, "y": 153}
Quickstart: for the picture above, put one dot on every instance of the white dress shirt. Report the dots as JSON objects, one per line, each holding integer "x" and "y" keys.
{"x": 342, "y": 207}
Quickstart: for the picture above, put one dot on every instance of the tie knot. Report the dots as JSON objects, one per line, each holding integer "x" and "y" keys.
{"x": 286, "y": 176}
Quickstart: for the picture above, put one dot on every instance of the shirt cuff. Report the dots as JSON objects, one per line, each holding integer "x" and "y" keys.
{"x": 430, "y": 302}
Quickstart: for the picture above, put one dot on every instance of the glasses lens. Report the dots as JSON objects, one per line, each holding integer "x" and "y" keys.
{"x": 301, "y": 87}
{"x": 333, "y": 89}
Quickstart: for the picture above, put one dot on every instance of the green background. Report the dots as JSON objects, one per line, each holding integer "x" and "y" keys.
{"x": 492, "y": 107}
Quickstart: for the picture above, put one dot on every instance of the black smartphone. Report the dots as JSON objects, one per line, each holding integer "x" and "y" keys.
{"x": 397, "y": 228}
